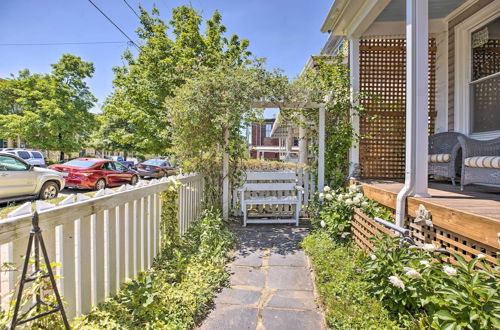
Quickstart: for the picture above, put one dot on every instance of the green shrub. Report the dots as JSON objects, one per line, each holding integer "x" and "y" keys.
{"x": 342, "y": 285}
{"x": 334, "y": 210}
{"x": 177, "y": 292}
{"x": 419, "y": 290}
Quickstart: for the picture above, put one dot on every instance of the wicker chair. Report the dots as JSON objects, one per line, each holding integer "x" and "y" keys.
{"x": 443, "y": 152}
{"x": 480, "y": 161}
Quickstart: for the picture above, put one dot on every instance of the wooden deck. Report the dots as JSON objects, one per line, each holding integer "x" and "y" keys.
{"x": 473, "y": 213}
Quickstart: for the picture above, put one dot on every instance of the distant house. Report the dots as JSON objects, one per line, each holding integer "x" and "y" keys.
{"x": 267, "y": 143}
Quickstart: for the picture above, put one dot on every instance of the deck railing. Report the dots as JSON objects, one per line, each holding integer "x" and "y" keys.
{"x": 99, "y": 242}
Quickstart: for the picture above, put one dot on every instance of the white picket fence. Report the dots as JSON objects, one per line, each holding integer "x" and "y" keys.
{"x": 304, "y": 178}
{"x": 100, "y": 242}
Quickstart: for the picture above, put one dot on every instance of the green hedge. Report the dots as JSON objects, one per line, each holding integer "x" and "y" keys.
{"x": 342, "y": 285}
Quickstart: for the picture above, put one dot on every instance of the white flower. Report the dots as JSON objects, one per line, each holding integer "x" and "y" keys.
{"x": 412, "y": 273}
{"x": 429, "y": 247}
{"x": 348, "y": 201}
{"x": 425, "y": 263}
{"x": 356, "y": 200}
{"x": 345, "y": 234}
{"x": 353, "y": 188}
{"x": 340, "y": 198}
{"x": 450, "y": 271}
{"x": 481, "y": 256}
{"x": 326, "y": 189}
{"x": 322, "y": 223}
{"x": 364, "y": 204}
{"x": 359, "y": 195}
{"x": 321, "y": 195}
{"x": 396, "y": 282}
{"x": 329, "y": 197}
{"x": 373, "y": 257}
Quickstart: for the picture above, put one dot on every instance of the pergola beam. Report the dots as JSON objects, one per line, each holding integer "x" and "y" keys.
{"x": 285, "y": 105}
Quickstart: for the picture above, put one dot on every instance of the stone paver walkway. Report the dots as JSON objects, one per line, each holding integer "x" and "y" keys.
{"x": 271, "y": 285}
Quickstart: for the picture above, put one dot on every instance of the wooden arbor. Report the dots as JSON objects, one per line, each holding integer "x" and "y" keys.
{"x": 302, "y": 147}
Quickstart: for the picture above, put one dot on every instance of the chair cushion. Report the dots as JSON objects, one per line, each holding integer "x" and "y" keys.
{"x": 439, "y": 158}
{"x": 483, "y": 161}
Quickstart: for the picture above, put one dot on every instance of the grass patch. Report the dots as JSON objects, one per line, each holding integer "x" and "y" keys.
{"x": 342, "y": 285}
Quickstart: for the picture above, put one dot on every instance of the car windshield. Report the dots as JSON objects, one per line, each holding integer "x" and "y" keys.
{"x": 24, "y": 154}
{"x": 80, "y": 163}
{"x": 155, "y": 162}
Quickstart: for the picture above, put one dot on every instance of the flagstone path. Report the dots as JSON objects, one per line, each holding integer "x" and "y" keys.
{"x": 270, "y": 287}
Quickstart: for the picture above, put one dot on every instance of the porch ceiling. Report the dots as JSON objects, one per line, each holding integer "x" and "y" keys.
{"x": 396, "y": 10}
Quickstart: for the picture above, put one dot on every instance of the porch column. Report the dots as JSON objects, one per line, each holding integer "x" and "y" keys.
{"x": 354, "y": 73}
{"x": 302, "y": 142}
{"x": 321, "y": 149}
{"x": 417, "y": 104}
{"x": 288, "y": 143}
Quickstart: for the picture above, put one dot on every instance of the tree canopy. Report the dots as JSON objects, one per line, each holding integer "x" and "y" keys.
{"x": 49, "y": 111}
{"x": 134, "y": 116}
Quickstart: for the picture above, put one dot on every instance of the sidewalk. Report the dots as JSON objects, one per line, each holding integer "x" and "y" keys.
{"x": 271, "y": 285}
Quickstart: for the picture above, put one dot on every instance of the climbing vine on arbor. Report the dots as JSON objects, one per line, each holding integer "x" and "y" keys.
{"x": 328, "y": 82}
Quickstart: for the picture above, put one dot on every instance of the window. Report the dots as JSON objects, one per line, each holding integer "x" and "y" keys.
{"x": 24, "y": 154}
{"x": 484, "y": 85}
{"x": 11, "y": 164}
{"x": 120, "y": 167}
{"x": 269, "y": 128}
{"x": 37, "y": 155}
{"x": 108, "y": 166}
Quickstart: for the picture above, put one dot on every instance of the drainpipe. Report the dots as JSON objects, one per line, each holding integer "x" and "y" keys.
{"x": 416, "y": 103}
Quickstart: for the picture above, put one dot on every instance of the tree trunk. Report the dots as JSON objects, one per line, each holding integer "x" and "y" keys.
{"x": 61, "y": 155}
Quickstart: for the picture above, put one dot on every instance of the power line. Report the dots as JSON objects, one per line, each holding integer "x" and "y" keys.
{"x": 128, "y": 5}
{"x": 64, "y": 43}
{"x": 109, "y": 19}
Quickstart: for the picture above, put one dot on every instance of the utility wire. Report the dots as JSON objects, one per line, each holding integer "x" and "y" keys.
{"x": 131, "y": 8}
{"x": 109, "y": 19}
{"x": 64, "y": 43}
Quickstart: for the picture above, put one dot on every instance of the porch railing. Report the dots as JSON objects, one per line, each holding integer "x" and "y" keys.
{"x": 99, "y": 242}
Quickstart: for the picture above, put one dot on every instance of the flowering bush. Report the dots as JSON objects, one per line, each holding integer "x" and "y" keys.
{"x": 419, "y": 290}
{"x": 334, "y": 210}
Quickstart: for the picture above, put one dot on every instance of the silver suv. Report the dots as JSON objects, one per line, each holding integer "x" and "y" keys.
{"x": 20, "y": 180}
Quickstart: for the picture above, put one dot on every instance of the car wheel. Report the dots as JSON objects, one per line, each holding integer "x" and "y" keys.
{"x": 100, "y": 184}
{"x": 133, "y": 180}
{"x": 49, "y": 190}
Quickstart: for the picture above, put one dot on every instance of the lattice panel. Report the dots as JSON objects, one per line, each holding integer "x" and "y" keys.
{"x": 383, "y": 86}
{"x": 364, "y": 228}
{"x": 452, "y": 242}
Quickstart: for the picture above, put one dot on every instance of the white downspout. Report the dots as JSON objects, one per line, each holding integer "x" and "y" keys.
{"x": 416, "y": 100}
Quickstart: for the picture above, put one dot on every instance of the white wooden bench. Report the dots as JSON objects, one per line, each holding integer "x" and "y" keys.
{"x": 271, "y": 188}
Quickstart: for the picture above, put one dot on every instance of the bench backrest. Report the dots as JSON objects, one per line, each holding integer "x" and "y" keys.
{"x": 270, "y": 181}
{"x": 271, "y": 176}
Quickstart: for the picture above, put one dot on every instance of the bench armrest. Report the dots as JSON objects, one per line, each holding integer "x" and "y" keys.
{"x": 300, "y": 188}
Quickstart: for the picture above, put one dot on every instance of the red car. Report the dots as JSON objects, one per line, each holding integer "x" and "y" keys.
{"x": 94, "y": 173}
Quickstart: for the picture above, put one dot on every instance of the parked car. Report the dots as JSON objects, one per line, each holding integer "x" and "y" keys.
{"x": 156, "y": 168}
{"x": 32, "y": 157}
{"x": 21, "y": 180}
{"x": 95, "y": 173}
{"x": 127, "y": 163}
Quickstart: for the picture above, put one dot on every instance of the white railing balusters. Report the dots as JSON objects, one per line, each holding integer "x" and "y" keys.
{"x": 84, "y": 260}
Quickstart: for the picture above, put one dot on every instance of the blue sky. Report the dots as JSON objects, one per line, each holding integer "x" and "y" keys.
{"x": 286, "y": 32}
